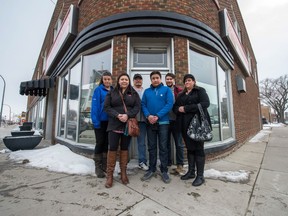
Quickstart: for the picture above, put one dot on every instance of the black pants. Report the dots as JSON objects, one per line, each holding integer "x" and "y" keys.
{"x": 101, "y": 138}
{"x": 118, "y": 138}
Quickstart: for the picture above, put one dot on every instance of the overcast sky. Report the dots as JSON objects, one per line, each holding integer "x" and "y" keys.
{"x": 24, "y": 24}
{"x": 23, "y": 27}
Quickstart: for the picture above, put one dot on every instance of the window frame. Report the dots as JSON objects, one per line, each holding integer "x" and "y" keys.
{"x": 219, "y": 62}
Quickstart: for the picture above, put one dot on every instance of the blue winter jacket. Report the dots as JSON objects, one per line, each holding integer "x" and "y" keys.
{"x": 157, "y": 101}
{"x": 97, "y": 107}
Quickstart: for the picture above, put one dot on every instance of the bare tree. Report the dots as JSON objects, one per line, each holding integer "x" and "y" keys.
{"x": 274, "y": 92}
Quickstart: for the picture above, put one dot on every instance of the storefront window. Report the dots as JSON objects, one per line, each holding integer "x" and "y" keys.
{"x": 94, "y": 65}
{"x": 73, "y": 102}
{"x": 63, "y": 108}
{"x": 224, "y": 95}
{"x": 40, "y": 121}
{"x": 206, "y": 71}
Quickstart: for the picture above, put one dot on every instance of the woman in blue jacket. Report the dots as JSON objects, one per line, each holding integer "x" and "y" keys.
{"x": 100, "y": 123}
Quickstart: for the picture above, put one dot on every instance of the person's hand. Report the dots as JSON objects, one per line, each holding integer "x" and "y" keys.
{"x": 152, "y": 119}
{"x": 123, "y": 117}
{"x": 181, "y": 109}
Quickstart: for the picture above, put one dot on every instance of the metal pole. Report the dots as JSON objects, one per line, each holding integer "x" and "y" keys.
{"x": 2, "y": 98}
{"x": 9, "y": 111}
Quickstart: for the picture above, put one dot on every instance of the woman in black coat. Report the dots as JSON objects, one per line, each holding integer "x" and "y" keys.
{"x": 117, "y": 118}
{"x": 185, "y": 108}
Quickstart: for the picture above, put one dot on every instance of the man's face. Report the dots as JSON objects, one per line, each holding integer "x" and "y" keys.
{"x": 155, "y": 80}
{"x": 169, "y": 81}
{"x": 137, "y": 82}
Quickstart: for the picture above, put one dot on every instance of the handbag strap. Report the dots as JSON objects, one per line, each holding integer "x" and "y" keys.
{"x": 201, "y": 111}
{"x": 125, "y": 108}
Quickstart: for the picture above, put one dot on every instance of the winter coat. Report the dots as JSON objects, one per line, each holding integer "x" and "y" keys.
{"x": 113, "y": 106}
{"x": 157, "y": 101}
{"x": 97, "y": 107}
{"x": 190, "y": 101}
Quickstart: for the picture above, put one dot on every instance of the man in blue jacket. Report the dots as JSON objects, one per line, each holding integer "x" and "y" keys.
{"x": 157, "y": 101}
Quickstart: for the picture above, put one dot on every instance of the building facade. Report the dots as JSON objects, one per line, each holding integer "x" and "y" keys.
{"x": 85, "y": 38}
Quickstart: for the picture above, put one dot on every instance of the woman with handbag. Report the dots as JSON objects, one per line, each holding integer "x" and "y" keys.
{"x": 121, "y": 103}
{"x": 185, "y": 108}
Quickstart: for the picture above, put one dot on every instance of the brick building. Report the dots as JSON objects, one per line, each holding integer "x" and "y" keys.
{"x": 206, "y": 38}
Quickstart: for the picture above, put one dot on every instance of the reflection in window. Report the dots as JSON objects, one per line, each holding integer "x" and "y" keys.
{"x": 63, "y": 108}
{"x": 223, "y": 95}
{"x": 205, "y": 69}
{"x": 41, "y": 112}
{"x": 73, "y": 102}
{"x": 94, "y": 66}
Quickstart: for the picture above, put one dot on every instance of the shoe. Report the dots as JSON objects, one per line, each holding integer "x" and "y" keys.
{"x": 198, "y": 181}
{"x": 143, "y": 166}
{"x": 148, "y": 175}
{"x": 189, "y": 175}
{"x": 178, "y": 171}
{"x": 165, "y": 177}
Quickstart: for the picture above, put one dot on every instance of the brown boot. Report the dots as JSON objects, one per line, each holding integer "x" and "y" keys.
{"x": 104, "y": 161}
{"x": 111, "y": 161}
{"x": 98, "y": 166}
{"x": 123, "y": 166}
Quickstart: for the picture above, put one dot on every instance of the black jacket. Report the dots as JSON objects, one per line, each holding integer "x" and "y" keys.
{"x": 190, "y": 101}
{"x": 113, "y": 106}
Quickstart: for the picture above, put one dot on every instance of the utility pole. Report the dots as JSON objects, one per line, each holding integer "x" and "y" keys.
{"x": 2, "y": 99}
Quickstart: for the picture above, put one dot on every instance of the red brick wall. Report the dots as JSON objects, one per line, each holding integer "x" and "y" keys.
{"x": 119, "y": 56}
{"x": 180, "y": 58}
{"x": 202, "y": 10}
{"x": 246, "y": 105}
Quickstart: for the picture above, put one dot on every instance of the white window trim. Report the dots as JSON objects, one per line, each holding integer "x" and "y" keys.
{"x": 146, "y": 43}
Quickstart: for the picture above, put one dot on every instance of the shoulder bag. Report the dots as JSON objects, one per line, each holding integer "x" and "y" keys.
{"x": 132, "y": 128}
{"x": 199, "y": 128}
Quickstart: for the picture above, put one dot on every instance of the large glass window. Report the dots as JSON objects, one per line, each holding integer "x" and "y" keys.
{"x": 94, "y": 65}
{"x": 63, "y": 108}
{"x": 73, "y": 102}
{"x": 75, "y": 95}
{"x": 40, "y": 120}
{"x": 223, "y": 96}
{"x": 213, "y": 78}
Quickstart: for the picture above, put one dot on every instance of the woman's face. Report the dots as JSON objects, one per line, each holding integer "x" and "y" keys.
{"x": 123, "y": 82}
{"x": 107, "y": 81}
{"x": 189, "y": 83}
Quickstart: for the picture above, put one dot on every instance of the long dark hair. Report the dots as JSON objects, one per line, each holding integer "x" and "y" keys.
{"x": 129, "y": 87}
{"x": 106, "y": 73}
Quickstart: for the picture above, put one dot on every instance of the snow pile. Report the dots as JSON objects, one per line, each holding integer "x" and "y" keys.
{"x": 261, "y": 136}
{"x": 240, "y": 176}
{"x": 57, "y": 158}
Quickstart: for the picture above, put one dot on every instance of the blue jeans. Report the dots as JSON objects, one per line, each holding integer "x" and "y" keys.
{"x": 162, "y": 136}
{"x": 178, "y": 144}
{"x": 141, "y": 142}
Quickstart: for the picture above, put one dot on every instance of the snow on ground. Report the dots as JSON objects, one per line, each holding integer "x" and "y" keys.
{"x": 59, "y": 158}
{"x": 240, "y": 176}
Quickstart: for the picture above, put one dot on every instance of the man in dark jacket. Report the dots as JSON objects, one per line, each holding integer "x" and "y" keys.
{"x": 170, "y": 82}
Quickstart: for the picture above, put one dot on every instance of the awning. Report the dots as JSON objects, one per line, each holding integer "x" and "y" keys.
{"x": 36, "y": 87}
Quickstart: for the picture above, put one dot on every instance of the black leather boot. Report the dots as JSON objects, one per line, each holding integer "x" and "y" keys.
{"x": 200, "y": 163}
{"x": 191, "y": 168}
{"x": 98, "y": 166}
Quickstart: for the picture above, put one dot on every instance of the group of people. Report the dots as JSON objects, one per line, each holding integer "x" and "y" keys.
{"x": 161, "y": 111}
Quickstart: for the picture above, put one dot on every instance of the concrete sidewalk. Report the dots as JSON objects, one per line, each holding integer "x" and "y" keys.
{"x": 30, "y": 191}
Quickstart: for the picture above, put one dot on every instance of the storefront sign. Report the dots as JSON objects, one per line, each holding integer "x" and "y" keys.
{"x": 67, "y": 30}
{"x": 228, "y": 32}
